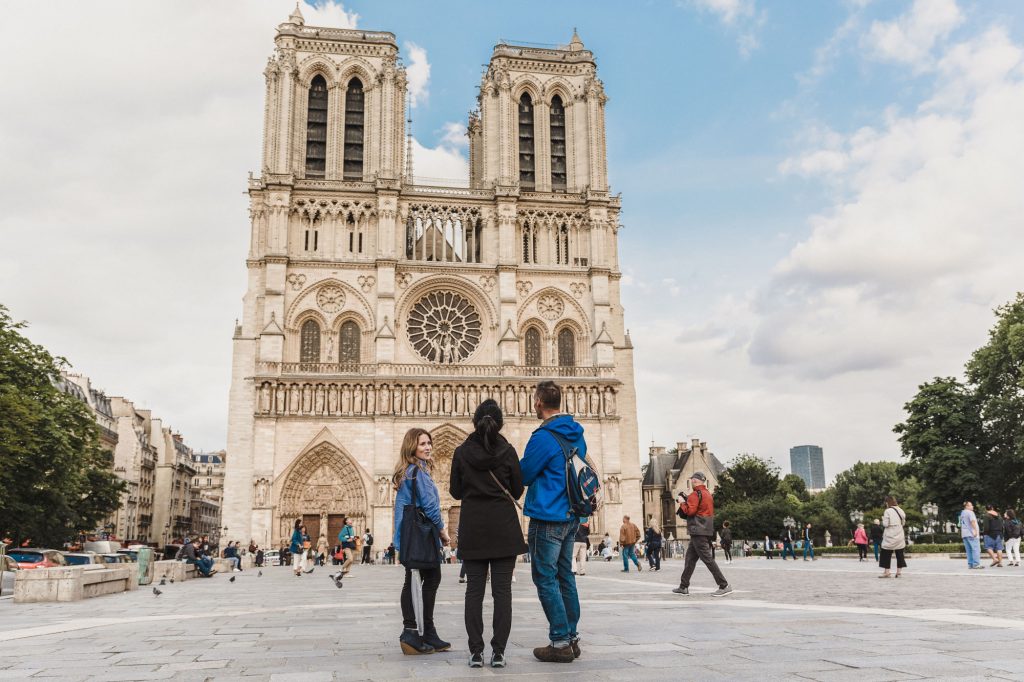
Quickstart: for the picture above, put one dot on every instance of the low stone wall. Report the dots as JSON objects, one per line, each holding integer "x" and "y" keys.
{"x": 72, "y": 583}
{"x": 173, "y": 570}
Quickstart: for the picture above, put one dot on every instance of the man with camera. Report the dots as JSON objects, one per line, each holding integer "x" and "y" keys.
{"x": 698, "y": 508}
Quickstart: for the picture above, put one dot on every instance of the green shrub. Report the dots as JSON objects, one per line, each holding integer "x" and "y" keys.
{"x": 920, "y": 548}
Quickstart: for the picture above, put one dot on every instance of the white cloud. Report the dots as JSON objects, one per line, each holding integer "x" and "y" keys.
{"x": 454, "y": 135}
{"x": 910, "y": 38}
{"x": 740, "y": 16}
{"x": 418, "y": 72}
{"x": 437, "y": 165}
{"x": 894, "y": 284}
{"x": 124, "y": 227}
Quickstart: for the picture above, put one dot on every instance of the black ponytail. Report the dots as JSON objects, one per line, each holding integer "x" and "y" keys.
{"x": 488, "y": 421}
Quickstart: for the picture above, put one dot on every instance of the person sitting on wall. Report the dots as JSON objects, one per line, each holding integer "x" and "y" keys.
{"x": 188, "y": 554}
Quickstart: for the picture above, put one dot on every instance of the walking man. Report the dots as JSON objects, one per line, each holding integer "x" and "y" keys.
{"x": 787, "y": 543}
{"x": 969, "y": 531}
{"x": 876, "y": 536}
{"x": 367, "y": 548}
{"x": 552, "y": 530}
{"x": 699, "y": 512}
{"x": 808, "y": 543}
{"x": 629, "y": 535}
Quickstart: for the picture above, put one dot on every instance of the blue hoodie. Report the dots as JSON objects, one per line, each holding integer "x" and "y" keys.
{"x": 543, "y": 468}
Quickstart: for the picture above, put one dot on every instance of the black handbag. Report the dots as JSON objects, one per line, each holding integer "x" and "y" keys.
{"x": 421, "y": 539}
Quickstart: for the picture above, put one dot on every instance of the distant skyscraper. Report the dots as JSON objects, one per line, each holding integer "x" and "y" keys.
{"x": 808, "y": 462}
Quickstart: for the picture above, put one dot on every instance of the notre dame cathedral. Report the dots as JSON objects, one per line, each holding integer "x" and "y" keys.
{"x": 375, "y": 304}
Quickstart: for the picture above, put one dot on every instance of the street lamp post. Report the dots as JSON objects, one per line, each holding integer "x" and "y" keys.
{"x": 856, "y": 516}
{"x": 789, "y": 522}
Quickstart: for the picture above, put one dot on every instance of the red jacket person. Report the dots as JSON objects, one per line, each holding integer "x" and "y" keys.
{"x": 698, "y": 508}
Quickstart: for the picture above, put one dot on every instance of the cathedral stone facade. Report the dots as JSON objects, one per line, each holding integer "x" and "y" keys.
{"x": 376, "y": 304}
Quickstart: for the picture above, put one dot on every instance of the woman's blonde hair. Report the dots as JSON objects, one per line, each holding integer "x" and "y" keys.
{"x": 407, "y": 455}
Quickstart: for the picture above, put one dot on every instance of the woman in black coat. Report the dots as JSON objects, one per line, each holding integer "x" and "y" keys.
{"x": 486, "y": 477}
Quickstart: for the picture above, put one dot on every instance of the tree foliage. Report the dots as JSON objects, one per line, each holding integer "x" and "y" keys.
{"x": 55, "y": 478}
{"x": 966, "y": 440}
{"x": 864, "y": 486}
{"x": 748, "y": 477}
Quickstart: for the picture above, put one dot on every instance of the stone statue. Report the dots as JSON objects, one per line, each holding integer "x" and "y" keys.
{"x": 318, "y": 403}
{"x": 383, "y": 491}
{"x": 262, "y": 489}
{"x": 265, "y": 397}
{"x": 385, "y": 399}
{"x": 332, "y": 399}
{"x": 280, "y": 399}
{"x": 609, "y": 401}
{"x": 371, "y": 400}
{"x": 595, "y": 403}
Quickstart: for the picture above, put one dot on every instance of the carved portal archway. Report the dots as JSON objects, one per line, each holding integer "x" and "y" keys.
{"x": 446, "y": 438}
{"x": 324, "y": 482}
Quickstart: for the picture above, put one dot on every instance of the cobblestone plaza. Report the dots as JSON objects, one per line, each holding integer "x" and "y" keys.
{"x": 827, "y": 620}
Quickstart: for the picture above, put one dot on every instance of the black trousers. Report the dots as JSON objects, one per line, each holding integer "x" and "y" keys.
{"x": 727, "y": 548}
{"x": 862, "y": 551}
{"x": 886, "y": 560}
{"x": 501, "y": 593}
{"x": 431, "y": 579}
{"x": 366, "y": 554}
{"x": 700, "y": 548}
{"x": 654, "y": 556}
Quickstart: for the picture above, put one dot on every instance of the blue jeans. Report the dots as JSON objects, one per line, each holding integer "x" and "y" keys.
{"x": 973, "y": 548}
{"x": 550, "y": 545}
{"x": 808, "y": 547}
{"x": 203, "y": 565}
{"x": 787, "y": 548}
{"x": 875, "y": 545}
{"x": 629, "y": 552}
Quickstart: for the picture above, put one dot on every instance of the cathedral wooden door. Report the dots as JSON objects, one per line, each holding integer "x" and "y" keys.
{"x": 312, "y": 524}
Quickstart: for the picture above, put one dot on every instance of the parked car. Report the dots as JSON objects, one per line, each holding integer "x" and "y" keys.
{"x": 37, "y": 558}
{"x": 102, "y": 546}
{"x": 10, "y": 570}
{"x": 90, "y": 560}
{"x": 132, "y": 554}
{"x": 272, "y": 558}
{"x": 115, "y": 559}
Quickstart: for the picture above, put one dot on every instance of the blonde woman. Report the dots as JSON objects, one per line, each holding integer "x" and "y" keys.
{"x": 416, "y": 461}
{"x": 322, "y": 548}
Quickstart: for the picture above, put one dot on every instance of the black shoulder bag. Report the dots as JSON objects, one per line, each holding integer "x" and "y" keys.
{"x": 421, "y": 540}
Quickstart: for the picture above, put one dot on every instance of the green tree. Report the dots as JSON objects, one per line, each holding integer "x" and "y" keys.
{"x": 865, "y": 485}
{"x": 943, "y": 440}
{"x": 55, "y": 478}
{"x": 792, "y": 484}
{"x": 747, "y": 477}
{"x": 996, "y": 372}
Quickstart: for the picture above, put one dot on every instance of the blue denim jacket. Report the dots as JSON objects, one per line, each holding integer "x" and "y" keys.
{"x": 296, "y": 545}
{"x": 429, "y": 500}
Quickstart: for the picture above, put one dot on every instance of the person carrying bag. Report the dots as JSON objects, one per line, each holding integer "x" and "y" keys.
{"x": 487, "y": 478}
{"x": 419, "y": 534}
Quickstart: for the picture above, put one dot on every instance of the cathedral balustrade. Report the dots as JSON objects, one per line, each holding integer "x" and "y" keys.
{"x": 276, "y": 369}
{"x": 305, "y": 398}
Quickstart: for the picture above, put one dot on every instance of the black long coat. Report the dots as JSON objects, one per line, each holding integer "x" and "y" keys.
{"x": 488, "y": 523}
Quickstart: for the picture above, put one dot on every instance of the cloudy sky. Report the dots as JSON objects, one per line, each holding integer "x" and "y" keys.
{"x": 823, "y": 201}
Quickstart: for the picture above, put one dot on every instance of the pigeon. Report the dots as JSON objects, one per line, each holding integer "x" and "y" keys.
{"x": 156, "y": 592}
{"x": 336, "y": 577}
{"x": 308, "y": 572}
{"x": 163, "y": 581}
{"x": 172, "y": 581}
{"x": 231, "y": 579}
{"x": 260, "y": 574}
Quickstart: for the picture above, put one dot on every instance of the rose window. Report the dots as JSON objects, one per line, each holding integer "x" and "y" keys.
{"x": 330, "y": 298}
{"x": 444, "y": 327}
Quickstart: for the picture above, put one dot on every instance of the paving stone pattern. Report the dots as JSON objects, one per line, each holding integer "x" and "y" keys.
{"x": 826, "y": 620}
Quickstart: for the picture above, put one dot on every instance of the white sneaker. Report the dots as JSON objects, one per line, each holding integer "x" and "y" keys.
{"x": 513, "y": 577}
{"x": 237, "y": 570}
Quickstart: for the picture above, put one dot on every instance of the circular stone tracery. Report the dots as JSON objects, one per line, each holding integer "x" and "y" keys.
{"x": 444, "y": 327}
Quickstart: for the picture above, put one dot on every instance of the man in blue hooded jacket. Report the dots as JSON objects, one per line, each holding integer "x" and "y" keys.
{"x": 552, "y": 526}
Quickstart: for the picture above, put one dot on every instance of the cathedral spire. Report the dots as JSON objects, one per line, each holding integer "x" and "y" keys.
{"x": 296, "y": 17}
{"x": 408, "y": 138}
{"x": 575, "y": 45}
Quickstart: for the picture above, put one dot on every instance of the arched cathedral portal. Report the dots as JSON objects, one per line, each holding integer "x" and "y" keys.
{"x": 322, "y": 487}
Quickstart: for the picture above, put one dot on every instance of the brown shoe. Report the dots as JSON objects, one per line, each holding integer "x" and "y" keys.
{"x": 575, "y": 646}
{"x": 550, "y": 654}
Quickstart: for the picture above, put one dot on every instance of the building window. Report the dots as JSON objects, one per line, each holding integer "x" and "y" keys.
{"x": 348, "y": 346}
{"x": 354, "y": 117}
{"x": 532, "y": 354}
{"x": 529, "y": 243}
{"x": 562, "y": 245}
{"x": 558, "y": 165}
{"x": 566, "y": 348}
{"x": 309, "y": 342}
{"x": 527, "y": 178}
{"x": 316, "y": 128}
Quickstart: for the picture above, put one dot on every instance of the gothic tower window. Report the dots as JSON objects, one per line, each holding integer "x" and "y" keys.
{"x": 309, "y": 342}
{"x": 316, "y": 128}
{"x": 566, "y": 348}
{"x": 558, "y": 165}
{"x": 526, "y": 158}
{"x": 562, "y": 245}
{"x": 353, "y": 156}
{"x": 348, "y": 346}
{"x": 532, "y": 354}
